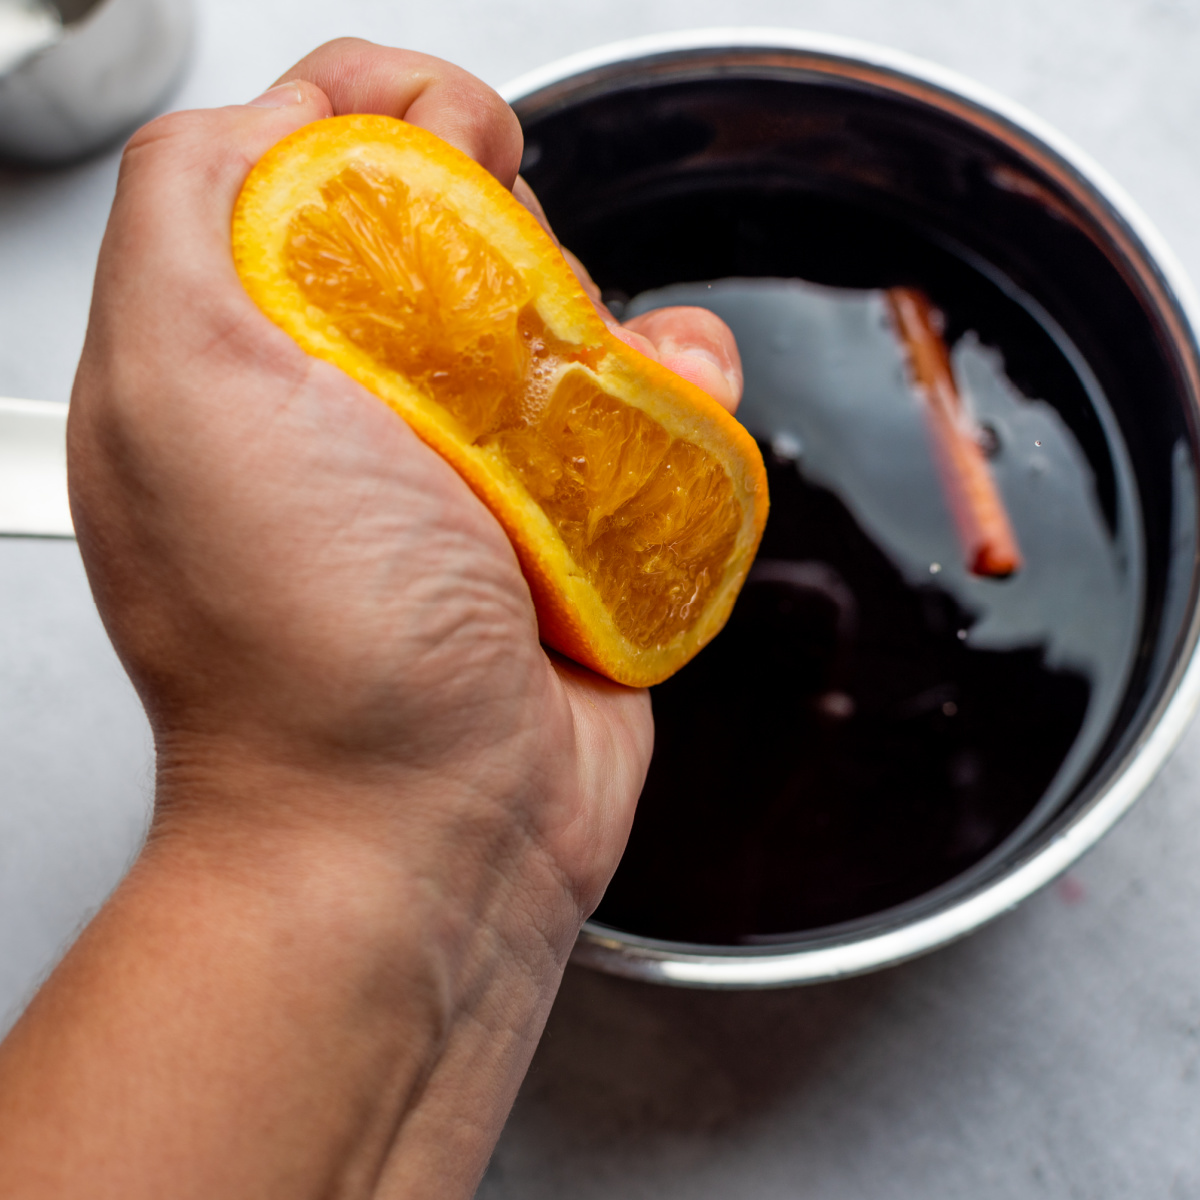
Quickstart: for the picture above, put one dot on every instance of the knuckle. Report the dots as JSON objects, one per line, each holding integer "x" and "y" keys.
{"x": 170, "y": 127}
{"x": 346, "y": 45}
{"x": 492, "y": 127}
{"x": 158, "y": 144}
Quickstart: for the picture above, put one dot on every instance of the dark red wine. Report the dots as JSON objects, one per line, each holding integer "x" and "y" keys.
{"x": 874, "y": 720}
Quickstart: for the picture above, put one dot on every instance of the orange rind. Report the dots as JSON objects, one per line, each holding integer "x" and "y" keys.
{"x": 634, "y": 501}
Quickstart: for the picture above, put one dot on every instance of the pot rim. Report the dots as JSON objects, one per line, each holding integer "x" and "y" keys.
{"x": 781, "y": 53}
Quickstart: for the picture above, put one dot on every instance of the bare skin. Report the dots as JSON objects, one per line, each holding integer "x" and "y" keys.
{"x": 382, "y": 810}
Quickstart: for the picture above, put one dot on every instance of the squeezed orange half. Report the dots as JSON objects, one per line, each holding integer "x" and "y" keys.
{"x": 634, "y": 501}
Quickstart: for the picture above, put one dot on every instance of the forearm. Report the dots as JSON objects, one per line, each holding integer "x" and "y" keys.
{"x": 292, "y": 1010}
{"x": 382, "y": 808}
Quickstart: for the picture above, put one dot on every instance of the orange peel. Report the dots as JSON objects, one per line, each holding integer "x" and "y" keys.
{"x": 635, "y": 503}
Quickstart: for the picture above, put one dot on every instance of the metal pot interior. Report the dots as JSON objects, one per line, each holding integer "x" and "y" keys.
{"x": 772, "y": 165}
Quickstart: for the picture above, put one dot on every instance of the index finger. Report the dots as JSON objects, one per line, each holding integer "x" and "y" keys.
{"x": 361, "y": 77}
{"x": 166, "y": 274}
{"x": 181, "y": 174}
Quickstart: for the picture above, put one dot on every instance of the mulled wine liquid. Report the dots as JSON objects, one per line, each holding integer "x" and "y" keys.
{"x": 874, "y": 721}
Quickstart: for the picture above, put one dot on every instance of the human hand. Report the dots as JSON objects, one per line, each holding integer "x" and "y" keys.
{"x": 381, "y": 806}
{"x": 311, "y": 584}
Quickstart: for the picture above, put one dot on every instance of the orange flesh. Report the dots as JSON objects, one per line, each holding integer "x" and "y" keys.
{"x": 649, "y": 519}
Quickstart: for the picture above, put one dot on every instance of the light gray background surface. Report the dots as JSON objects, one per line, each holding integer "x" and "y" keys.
{"x": 1055, "y": 1054}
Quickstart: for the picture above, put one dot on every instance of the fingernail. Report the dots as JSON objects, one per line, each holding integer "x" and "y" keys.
{"x": 280, "y": 96}
{"x": 732, "y": 376}
{"x": 677, "y": 347}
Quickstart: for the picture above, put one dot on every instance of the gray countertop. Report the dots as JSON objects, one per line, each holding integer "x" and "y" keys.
{"x": 1056, "y": 1053}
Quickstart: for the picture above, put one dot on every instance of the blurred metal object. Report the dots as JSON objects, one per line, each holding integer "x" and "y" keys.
{"x": 26, "y": 28}
{"x": 75, "y": 74}
{"x": 33, "y": 469}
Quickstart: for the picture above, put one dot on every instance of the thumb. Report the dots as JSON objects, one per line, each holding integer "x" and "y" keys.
{"x": 181, "y": 174}
{"x": 166, "y": 276}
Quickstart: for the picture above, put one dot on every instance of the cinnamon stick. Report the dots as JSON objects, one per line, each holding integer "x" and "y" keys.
{"x": 980, "y": 518}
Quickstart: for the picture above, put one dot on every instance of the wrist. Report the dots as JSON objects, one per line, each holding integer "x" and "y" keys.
{"x": 393, "y": 862}
{"x": 284, "y": 987}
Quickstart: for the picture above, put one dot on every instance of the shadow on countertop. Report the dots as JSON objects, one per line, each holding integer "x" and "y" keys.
{"x": 626, "y": 1060}
{"x": 969, "y": 1072}
{"x": 639, "y": 1091}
